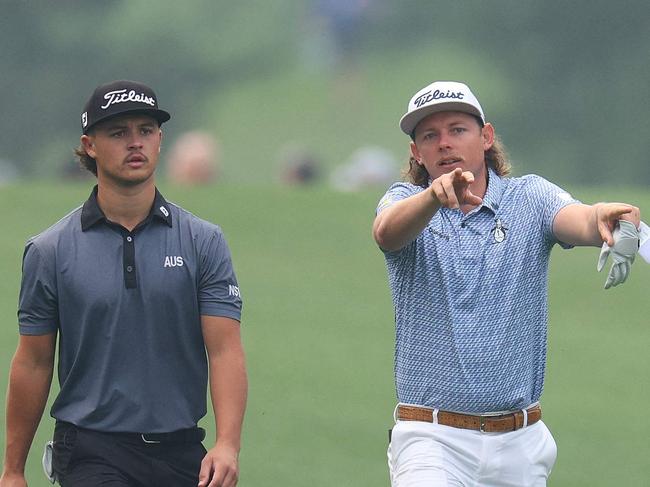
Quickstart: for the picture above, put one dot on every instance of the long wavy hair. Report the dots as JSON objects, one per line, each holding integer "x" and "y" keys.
{"x": 496, "y": 158}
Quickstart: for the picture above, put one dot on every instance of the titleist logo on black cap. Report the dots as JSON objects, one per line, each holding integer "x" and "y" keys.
{"x": 437, "y": 95}
{"x": 119, "y": 98}
{"x": 122, "y": 96}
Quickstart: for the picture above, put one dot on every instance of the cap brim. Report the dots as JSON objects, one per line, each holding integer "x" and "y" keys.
{"x": 410, "y": 120}
{"x": 160, "y": 115}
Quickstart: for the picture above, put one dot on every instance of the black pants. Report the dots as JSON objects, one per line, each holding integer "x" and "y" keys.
{"x": 86, "y": 458}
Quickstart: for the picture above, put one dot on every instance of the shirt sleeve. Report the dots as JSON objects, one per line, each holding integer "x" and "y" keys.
{"x": 397, "y": 192}
{"x": 38, "y": 310}
{"x": 548, "y": 199}
{"x": 219, "y": 293}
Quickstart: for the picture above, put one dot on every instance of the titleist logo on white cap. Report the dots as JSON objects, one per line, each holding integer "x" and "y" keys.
{"x": 440, "y": 96}
{"x": 437, "y": 95}
{"x": 121, "y": 96}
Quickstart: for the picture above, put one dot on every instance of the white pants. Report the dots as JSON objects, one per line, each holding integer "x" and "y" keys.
{"x": 431, "y": 455}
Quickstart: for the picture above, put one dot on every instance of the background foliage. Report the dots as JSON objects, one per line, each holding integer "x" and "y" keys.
{"x": 565, "y": 83}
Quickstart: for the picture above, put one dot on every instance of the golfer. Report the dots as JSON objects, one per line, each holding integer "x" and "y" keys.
{"x": 143, "y": 301}
{"x": 467, "y": 250}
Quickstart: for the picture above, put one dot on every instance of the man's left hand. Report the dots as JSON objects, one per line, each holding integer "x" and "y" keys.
{"x": 220, "y": 467}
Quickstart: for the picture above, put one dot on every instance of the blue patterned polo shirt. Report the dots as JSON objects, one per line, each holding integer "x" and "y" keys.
{"x": 470, "y": 297}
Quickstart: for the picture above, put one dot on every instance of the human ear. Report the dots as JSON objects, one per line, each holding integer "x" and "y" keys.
{"x": 415, "y": 153}
{"x": 487, "y": 132}
{"x": 88, "y": 145}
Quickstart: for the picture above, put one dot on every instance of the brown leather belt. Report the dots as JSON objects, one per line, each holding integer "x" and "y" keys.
{"x": 498, "y": 423}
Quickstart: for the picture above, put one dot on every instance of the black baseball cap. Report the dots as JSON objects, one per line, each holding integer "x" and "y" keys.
{"x": 118, "y": 98}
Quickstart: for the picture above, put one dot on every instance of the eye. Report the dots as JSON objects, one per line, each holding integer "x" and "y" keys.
{"x": 458, "y": 130}
{"x": 117, "y": 133}
{"x": 146, "y": 131}
{"x": 429, "y": 136}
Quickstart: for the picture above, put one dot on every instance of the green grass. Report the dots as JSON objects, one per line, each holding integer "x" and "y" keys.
{"x": 318, "y": 331}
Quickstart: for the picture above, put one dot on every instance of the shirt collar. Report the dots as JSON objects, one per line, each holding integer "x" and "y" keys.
{"x": 494, "y": 192}
{"x": 91, "y": 213}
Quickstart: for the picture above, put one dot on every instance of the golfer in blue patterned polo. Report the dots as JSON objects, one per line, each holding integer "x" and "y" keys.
{"x": 467, "y": 250}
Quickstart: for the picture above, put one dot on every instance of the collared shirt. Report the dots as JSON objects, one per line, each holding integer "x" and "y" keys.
{"x": 470, "y": 297}
{"x": 127, "y": 307}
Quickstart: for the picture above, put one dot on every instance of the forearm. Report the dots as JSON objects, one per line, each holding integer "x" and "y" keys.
{"x": 586, "y": 230}
{"x": 29, "y": 386}
{"x": 229, "y": 391}
{"x": 401, "y": 223}
{"x": 586, "y": 225}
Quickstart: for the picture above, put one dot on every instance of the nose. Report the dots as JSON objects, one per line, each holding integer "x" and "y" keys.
{"x": 135, "y": 141}
{"x": 444, "y": 141}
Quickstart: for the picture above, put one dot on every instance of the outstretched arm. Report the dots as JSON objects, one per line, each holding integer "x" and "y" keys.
{"x": 30, "y": 378}
{"x": 228, "y": 389}
{"x": 591, "y": 225}
{"x": 399, "y": 224}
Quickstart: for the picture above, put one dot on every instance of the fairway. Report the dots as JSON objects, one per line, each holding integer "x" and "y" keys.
{"x": 318, "y": 332}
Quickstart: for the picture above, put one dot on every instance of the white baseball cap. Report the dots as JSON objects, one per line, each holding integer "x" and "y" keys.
{"x": 440, "y": 96}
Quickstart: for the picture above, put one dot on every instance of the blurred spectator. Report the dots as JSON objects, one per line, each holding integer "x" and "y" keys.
{"x": 8, "y": 172}
{"x": 343, "y": 20}
{"x": 298, "y": 166}
{"x": 333, "y": 31}
{"x": 368, "y": 166}
{"x": 194, "y": 158}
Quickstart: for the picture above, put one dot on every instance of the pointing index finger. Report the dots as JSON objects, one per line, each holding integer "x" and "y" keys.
{"x": 457, "y": 174}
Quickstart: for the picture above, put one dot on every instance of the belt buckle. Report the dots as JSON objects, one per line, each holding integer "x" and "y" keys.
{"x": 481, "y": 420}
{"x": 149, "y": 442}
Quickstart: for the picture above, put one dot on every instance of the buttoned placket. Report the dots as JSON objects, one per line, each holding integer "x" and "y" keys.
{"x": 130, "y": 281}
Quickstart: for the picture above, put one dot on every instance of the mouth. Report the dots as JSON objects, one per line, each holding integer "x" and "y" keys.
{"x": 136, "y": 160}
{"x": 449, "y": 161}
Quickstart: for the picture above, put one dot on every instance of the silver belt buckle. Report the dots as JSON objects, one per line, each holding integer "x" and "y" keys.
{"x": 148, "y": 442}
{"x": 481, "y": 426}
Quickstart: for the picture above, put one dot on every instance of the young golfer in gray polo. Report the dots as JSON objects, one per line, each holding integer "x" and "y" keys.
{"x": 136, "y": 290}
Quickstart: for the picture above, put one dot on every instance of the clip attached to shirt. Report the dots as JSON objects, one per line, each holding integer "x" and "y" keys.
{"x": 499, "y": 231}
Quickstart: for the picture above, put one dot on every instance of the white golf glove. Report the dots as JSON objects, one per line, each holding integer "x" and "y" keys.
{"x": 644, "y": 242}
{"x": 47, "y": 461}
{"x": 626, "y": 244}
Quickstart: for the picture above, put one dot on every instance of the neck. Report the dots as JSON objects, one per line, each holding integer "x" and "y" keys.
{"x": 126, "y": 206}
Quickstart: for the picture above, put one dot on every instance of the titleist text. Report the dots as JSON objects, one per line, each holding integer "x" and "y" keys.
{"x": 121, "y": 96}
{"x": 437, "y": 95}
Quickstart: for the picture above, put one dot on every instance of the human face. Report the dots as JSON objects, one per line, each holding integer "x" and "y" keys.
{"x": 445, "y": 141}
{"x": 126, "y": 149}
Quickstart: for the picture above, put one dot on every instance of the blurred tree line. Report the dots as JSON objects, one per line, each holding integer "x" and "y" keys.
{"x": 577, "y": 71}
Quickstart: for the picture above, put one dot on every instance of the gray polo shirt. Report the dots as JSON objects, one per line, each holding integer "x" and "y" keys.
{"x": 127, "y": 307}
